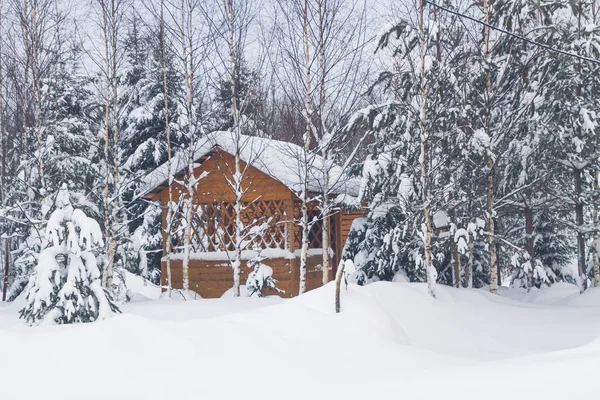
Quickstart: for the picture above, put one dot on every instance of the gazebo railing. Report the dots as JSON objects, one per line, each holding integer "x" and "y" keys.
{"x": 213, "y": 226}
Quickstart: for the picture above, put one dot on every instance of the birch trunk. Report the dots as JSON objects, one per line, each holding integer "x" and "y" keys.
{"x": 168, "y": 244}
{"x": 6, "y": 268}
{"x": 37, "y": 99}
{"x": 116, "y": 151}
{"x": 325, "y": 208}
{"x": 529, "y": 243}
{"x": 579, "y": 217}
{"x": 490, "y": 159}
{"x": 106, "y": 199}
{"x": 238, "y": 174}
{"x": 27, "y": 103}
{"x": 186, "y": 41}
{"x": 580, "y": 236}
{"x": 3, "y": 160}
{"x": 423, "y": 158}
{"x": 307, "y": 138}
{"x": 596, "y": 190}
{"x": 457, "y": 265}
{"x": 469, "y": 268}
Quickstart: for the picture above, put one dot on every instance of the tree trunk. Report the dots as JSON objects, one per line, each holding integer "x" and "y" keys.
{"x": 326, "y": 245}
{"x": 596, "y": 191}
{"x": 469, "y": 268}
{"x": 529, "y": 244}
{"x": 338, "y": 284}
{"x": 37, "y": 99}
{"x": 169, "y": 244}
{"x": 595, "y": 248}
{"x": 307, "y": 138}
{"x": 325, "y": 208}
{"x": 426, "y": 195}
{"x": 3, "y": 161}
{"x": 186, "y": 41}
{"x": 456, "y": 266}
{"x": 490, "y": 159}
{"x": 116, "y": 150}
{"x": 107, "y": 214}
{"x": 238, "y": 176}
{"x": 6, "y": 268}
{"x": 580, "y": 235}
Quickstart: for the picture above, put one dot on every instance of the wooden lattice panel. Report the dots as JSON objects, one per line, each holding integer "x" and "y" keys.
{"x": 314, "y": 235}
{"x": 213, "y": 226}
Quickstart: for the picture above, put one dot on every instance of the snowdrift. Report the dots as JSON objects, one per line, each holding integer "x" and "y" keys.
{"x": 390, "y": 341}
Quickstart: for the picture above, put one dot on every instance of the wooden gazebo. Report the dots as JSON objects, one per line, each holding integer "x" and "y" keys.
{"x": 272, "y": 184}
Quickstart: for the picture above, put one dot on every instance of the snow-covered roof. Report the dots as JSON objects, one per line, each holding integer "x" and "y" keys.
{"x": 280, "y": 160}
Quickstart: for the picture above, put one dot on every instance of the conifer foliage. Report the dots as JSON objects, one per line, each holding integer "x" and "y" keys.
{"x": 66, "y": 287}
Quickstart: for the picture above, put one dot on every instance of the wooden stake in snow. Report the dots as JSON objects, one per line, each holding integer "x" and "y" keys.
{"x": 338, "y": 284}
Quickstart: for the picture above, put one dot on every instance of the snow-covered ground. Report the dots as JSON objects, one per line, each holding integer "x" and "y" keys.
{"x": 390, "y": 342}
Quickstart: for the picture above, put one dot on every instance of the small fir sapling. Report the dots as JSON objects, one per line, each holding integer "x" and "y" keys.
{"x": 66, "y": 285}
{"x": 260, "y": 278}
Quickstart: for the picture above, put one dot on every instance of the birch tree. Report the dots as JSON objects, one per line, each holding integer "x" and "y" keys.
{"x": 111, "y": 20}
{"x": 170, "y": 205}
{"x": 423, "y": 158}
{"x": 342, "y": 72}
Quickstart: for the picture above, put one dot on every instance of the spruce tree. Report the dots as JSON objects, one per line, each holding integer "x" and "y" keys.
{"x": 66, "y": 287}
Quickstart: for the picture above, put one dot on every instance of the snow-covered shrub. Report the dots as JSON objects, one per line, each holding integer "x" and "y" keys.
{"x": 259, "y": 279}
{"x": 65, "y": 286}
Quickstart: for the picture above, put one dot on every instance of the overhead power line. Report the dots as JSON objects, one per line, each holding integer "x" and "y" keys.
{"x": 533, "y": 42}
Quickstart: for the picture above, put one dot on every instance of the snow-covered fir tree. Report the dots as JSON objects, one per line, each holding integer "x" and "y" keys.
{"x": 391, "y": 239}
{"x": 66, "y": 286}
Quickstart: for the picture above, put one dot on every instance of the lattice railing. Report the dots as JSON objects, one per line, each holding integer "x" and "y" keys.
{"x": 213, "y": 226}
{"x": 315, "y": 234}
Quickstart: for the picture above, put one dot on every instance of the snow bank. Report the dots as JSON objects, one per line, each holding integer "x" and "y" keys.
{"x": 140, "y": 288}
{"x": 390, "y": 341}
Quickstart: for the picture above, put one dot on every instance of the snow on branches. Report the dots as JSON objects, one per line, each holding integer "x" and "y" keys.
{"x": 65, "y": 287}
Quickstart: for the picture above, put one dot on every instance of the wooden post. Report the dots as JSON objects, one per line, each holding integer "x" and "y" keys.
{"x": 338, "y": 284}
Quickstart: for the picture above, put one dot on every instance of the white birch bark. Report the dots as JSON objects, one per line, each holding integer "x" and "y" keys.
{"x": 169, "y": 227}
{"x": 188, "y": 204}
{"x": 596, "y": 265}
{"x": 305, "y": 162}
{"x": 6, "y": 249}
{"x": 423, "y": 158}
{"x": 117, "y": 210}
{"x": 596, "y": 242}
{"x": 33, "y": 52}
{"x": 469, "y": 268}
{"x": 325, "y": 205}
{"x": 238, "y": 174}
{"x": 107, "y": 103}
{"x": 490, "y": 160}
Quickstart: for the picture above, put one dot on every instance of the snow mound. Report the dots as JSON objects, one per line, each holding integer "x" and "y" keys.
{"x": 140, "y": 288}
{"x": 392, "y": 338}
{"x": 590, "y": 298}
{"x": 180, "y": 295}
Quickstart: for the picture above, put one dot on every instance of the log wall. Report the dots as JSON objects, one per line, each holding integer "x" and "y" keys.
{"x": 211, "y": 279}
